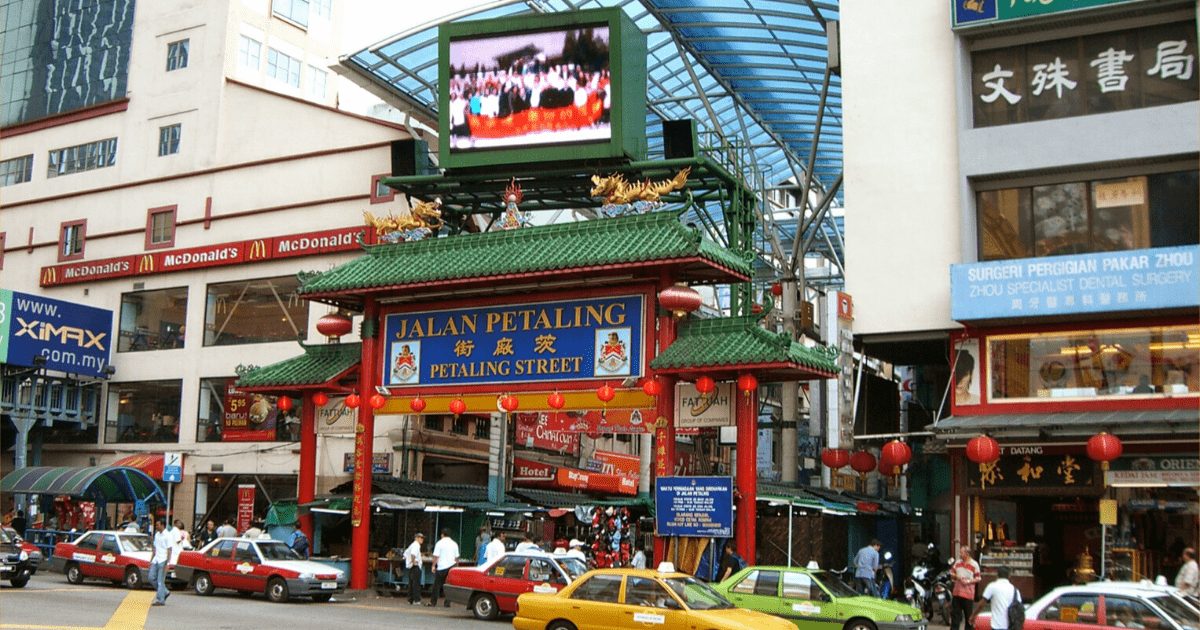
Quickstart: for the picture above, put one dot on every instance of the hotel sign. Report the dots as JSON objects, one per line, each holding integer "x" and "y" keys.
{"x": 1135, "y": 280}
{"x": 590, "y": 339}
{"x": 218, "y": 255}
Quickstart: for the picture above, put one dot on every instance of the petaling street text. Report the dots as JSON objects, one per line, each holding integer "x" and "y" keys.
{"x": 507, "y": 367}
{"x": 518, "y": 319}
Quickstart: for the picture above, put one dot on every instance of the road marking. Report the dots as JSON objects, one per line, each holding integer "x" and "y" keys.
{"x": 131, "y": 614}
{"x": 46, "y": 590}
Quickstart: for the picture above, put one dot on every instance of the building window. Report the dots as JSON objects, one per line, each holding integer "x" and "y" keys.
{"x": 18, "y": 170}
{"x": 459, "y": 425}
{"x": 160, "y": 227}
{"x": 283, "y": 68}
{"x": 380, "y": 192}
{"x": 317, "y": 79}
{"x": 483, "y": 428}
{"x": 291, "y": 10}
{"x": 322, "y": 8}
{"x": 146, "y": 411}
{"x": 254, "y": 311}
{"x": 227, "y": 414}
{"x": 1138, "y": 212}
{"x": 168, "y": 139}
{"x": 71, "y": 240}
{"x": 82, "y": 157}
{"x": 152, "y": 320}
{"x": 177, "y": 55}
{"x": 249, "y": 52}
{"x": 1154, "y": 361}
{"x": 433, "y": 423}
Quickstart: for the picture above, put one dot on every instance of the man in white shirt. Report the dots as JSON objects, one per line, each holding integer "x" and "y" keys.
{"x": 227, "y": 530}
{"x": 1000, "y": 595}
{"x": 527, "y": 544}
{"x": 445, "y": 556}
{"x": 494, "y": 549}
{"x": 577, "y": 550}
{"x": 412, "y": 565}
{"x": 639, "y": 559}
{"x": 163, "y": 542}
{"x": 1188, "y": 578}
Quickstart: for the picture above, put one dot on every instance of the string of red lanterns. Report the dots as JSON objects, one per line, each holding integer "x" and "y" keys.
{"x": 652, "y": 387}
{"x": 457, "y": 406}
{"x": 284, "y": 403}
{"x": 705, "y": 385}
{"x": 320, "y": 398}
{"x": 556, "y": 400}
{"x": 894, "y": 456}
{"x": 509, "y": 403}
{"x": 747, "y": 384}
{"x": 417, "y": 404}
{"x": 835, "y": 458}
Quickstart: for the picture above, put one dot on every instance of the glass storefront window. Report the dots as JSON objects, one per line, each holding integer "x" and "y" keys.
{"x": 227, "y": 414}
{"x": 254, "y": 311}
{"x": 1137, "y": 212}
{"x": 146, "y": 411}
{"x": 152, "y": 320}
{"x": 1148, "y": 362}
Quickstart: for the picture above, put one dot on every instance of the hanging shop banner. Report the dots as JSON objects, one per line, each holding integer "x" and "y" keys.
{"x": 1066, "y": 471}
{"x": 529, "y": 472}
{"x": 1164, "y": 277}
{"x": 597, "y": 338}
{"x": 577, "y": 479}
{"x": 381, "y": 463}
{"x": 72, "y": 338}
{"x": 245, "y": 506}
{"x": 248, "y": 417}
{"x": 1154, "y": 471}
{"x": 700, "y": 507}
{"x": 967, "y": 13}
{"x": 547, "y": 431}
{"x": 334, "y": 417}
{"x": 693, "y": 410}
{"x": 620, "y": 464}
{"x": 218, "y": 255}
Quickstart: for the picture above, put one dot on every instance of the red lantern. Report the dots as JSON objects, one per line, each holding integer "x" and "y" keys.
{"x": 377, "y": 401}
{"x": 862, "y": 462}
{"x": 777, "y": 289}
{"x": 680, "y": 299}
{"x": 747, "y": 384}
{"x": 894, "y": 456}
{"x": 556, "y": 400}
{"x": 756, "y": 308}
{"x": 705, "y": 385}
{"x": 353, "y": 401}
{"x": 1104, "y": 447}
{"x": 284, "y": 403}
{"x": 509, "y": 403}
{"x": 652, "y": 387}
{"x": 983, "y": 450}
{"x": 417, "y": 404}
{"x": 457, "y": 406}
{"x": 319, "y": 399}
{"x": 334, "y": 325}
{"x": 835, "y": 457}
{"x": 606, "y": 393}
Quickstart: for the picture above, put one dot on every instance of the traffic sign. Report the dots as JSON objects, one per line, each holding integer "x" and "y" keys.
{"x": 172, "y": 467}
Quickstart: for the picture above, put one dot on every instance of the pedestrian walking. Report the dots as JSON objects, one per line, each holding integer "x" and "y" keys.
{"x": 1000, "y": 594}
{"x": 527, "y": 543}
{"x": 731, "y": 563}
{"x": 1188, "y": 578}
{"x": 496, "y": 548}
{"x": 481, "y": 542}
{"x": 164, "y": 541}
{"x": 227, "y": 530}
{"x": 866, "y": 563}
{"x": 966, "y": 575}
{"x": 206, "y": 535}
{"x": 445, "y": 556}
{"x": 639, "y": 559}
{"x": 298, "y": 542}
{"x": 412, "y": 564}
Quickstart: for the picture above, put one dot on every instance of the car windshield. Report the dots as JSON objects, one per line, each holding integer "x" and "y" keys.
{"x": 573, "y": 566}
{"x": 835, "y": 585}
{"x": 277, "y": 551}
{"x": 136, "y": 543}
{"x": 696, "y": 594}
{"x": 1175, "y": 608}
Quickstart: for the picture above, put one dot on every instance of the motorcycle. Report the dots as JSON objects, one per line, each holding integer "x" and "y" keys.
{"x": 916, "y": 588}
{"x": 883, "y": 576}
{"x": 940, "y": 594}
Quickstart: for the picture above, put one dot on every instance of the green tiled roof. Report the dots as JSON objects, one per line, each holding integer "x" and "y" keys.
{"x": 318, "y": 364}
{"x": 650, "y": 237}
{"x": 732, "y": 341}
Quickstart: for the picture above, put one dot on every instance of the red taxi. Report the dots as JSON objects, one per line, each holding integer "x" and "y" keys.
{"x": 493, "y": 588}
{"x": 118, "y": 556}
{"x": 258, "y": 566}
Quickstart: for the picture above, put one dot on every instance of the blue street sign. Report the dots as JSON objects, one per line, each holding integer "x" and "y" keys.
{"x": 140, "y": 508}
{"x": 172, "y": 467}
{"x": 700, "y": 507}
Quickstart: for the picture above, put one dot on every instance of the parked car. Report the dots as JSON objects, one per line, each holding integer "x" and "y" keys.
{"x": 117, "y": 556}
{"x": 258, "y": 566}
{"x": 1113, "y": 604}
{"x": 609, "y": 599}
{"x": 34, "y": 552}
{"x": 493, "y": 588}
{"x": 17, "y": 564}
{"x": 815, "y": 599}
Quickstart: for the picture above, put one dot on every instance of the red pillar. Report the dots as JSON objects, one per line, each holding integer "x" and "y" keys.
{"x": 364, "y": 430}
{"x": 307, "y": 486}
{"x": 746, "y": 418}
{"x": 664, "y": 414}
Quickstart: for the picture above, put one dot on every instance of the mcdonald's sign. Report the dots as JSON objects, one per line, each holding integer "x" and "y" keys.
{"x": 258, "y": 250}
{"x": 146, "y": 263}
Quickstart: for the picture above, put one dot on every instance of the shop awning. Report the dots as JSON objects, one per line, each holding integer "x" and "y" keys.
{"x": 724, "y": 346}
{"x": 320, "y": 366}
{"x": 112, "y": 484}
{"x": 149, "y": 463}
{"x": 1071, "y": 424}
{"x": 796, "y": 497}
{"x": 329, "y": 505}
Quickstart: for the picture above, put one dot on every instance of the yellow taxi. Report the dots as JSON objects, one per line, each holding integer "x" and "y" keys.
{"x": 644, "y": 599}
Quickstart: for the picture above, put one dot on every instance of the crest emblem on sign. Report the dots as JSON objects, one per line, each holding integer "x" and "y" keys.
{"x": 611, "y": 354}
{"x": 405, "y": 363}
{"x": 245, "y": 568}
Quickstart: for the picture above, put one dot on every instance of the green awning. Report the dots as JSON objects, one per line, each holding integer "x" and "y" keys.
{"x": 282, "y": 513}
{"x": 623, "y": 242}
{"x": 113, "y": 484}
{"x": 320, "y": 364}
{"x": 734, "y": 343}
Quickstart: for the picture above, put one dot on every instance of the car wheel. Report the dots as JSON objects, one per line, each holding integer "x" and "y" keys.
{"x": 484, "y": 607}
{"x": 203, "y": 584}
{"x": 277, "y": 590}
{"x": 20, "y": 582}
{"x": 74, "y": 574}
{"x": 560, "y": 624}
{"x": 323, "y": 597}
{"x": 133, "y": 578}
{"x": 859, "y": 624}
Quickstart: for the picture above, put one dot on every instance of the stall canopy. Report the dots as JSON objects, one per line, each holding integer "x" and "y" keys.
{"x": 413, "y": 494}
{"x": 149, "y": 463}
{"x": 1068, "y": 424}
{"x": 111, "y": 484}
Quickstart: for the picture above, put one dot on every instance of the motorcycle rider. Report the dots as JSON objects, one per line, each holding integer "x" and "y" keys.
{"x": 866, "y": 563}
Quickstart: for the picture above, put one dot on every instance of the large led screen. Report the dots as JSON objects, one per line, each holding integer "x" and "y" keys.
{"x": 548, "y": 87}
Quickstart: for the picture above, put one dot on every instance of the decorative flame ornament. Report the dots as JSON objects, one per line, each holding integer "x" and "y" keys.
{"x": 556, "y": 400}
{"x": 353, "y": 401}
{"x": 509, "y": 403}
{"x": 334, "y": 325}
{"x": 705, "y": 385}
{"x": 747, "y": 384}
{"x": 680, "y": 299}
{"x": 606, "y": 392}
{"x": 284, "y": 403}
{"x": 835, "y": 458}
{"x": 862, "y": 462}
{"x": 457, "y": 406}
{"x": 417, "y": 404}
{"x": 1104, "y": 447}
{"x": 320, "y": 399}
{"x": 377, "y": 401}
{"x": 894, "y": 456}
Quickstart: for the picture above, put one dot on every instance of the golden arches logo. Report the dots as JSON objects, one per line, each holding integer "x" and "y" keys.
{"x": 49, "y": 275}
{"x": 146, "y": 263}
{"x": 258, "y": 249}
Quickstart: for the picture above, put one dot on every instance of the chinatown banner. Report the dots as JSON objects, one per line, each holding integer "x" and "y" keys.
{"x": 248, "y": 417}
{"x": 245, "y": 506}
{"x": 553, "y": 425}
{"x": 546, "y": 431}
{"x": 540, "y": 342}
{"x": 218, "y": 255}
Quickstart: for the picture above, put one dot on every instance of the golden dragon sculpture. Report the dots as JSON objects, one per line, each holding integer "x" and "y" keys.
{"x": 616, "y": 190}
{"x": 425, "y": 215}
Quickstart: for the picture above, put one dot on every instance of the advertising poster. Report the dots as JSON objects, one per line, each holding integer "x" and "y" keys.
{"x": 248, "y": 417}
{"x": 70, "y": 337}
{"x": 693, "y": 411}
{"x": 966, "y": 373}
{"x": 245, "y": 506}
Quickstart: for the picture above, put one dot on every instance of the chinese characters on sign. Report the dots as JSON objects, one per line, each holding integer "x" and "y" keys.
{"x": 1062, "y": 470}
{"x": 1150, "y": 66}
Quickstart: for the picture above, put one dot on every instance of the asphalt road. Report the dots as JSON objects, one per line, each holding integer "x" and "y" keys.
{"x": 50, "y": 603}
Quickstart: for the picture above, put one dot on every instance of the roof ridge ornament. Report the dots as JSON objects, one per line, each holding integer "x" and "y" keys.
{"x": 622, "y": 197}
